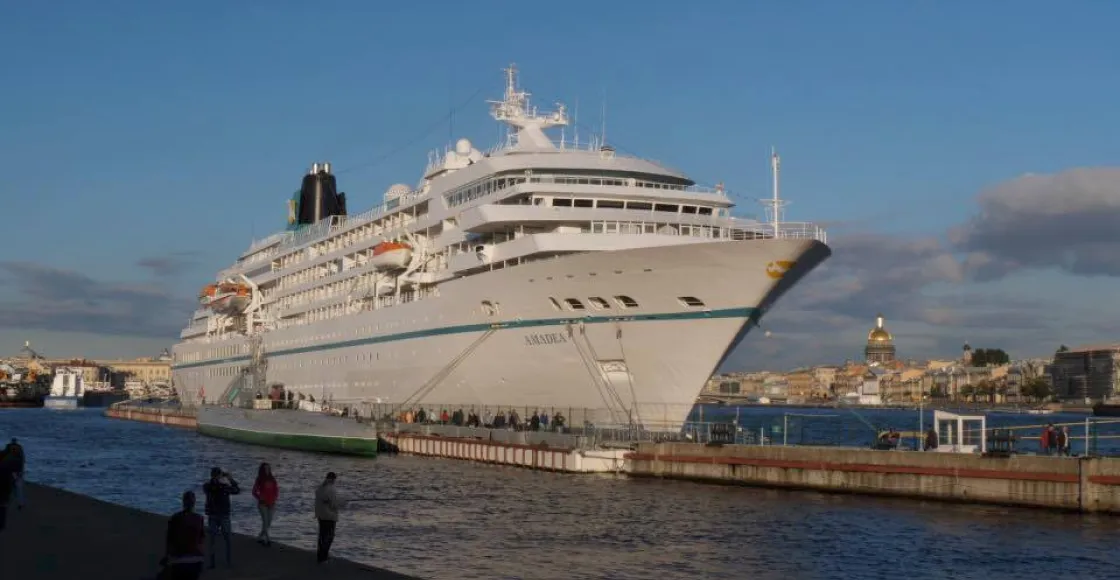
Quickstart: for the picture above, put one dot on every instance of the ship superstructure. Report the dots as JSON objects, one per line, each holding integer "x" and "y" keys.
{"x": 542, "y": 274}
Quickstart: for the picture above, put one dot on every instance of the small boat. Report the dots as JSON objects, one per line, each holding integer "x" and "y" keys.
{"x": 391, "y": 256}
{"x": 67, "y": 389}
{"x": 289, "y": 429}
{"x": 226, "y": 297}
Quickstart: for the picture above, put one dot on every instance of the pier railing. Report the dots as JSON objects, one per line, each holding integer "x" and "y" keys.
{"x": 589, "y": 427}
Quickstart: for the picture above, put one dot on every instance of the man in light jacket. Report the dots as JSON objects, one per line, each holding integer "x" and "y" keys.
{"x": 326, "y": 511}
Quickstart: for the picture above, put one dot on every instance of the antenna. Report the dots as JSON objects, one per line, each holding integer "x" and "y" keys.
{"x": 575, "y": 124}
{"x": 603, "y": 120}
{"x": 451, "y": 106}
{"x": 775, "y": 202}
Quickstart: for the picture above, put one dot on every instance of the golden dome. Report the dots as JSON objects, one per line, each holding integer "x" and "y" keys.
{"x": 879, "y": 334}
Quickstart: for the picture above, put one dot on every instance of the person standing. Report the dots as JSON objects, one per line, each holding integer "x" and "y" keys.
{"x": 18, "y": 463}
{"x": 326, "y": 511}
{"x": 185, "y": 532}
{"x": 218, "y": 489}
{"x": 7, "y": 482}
{"x": 266, "y": 491}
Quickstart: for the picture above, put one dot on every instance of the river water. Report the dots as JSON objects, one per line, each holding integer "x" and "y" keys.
{"x": 455, "y": 519}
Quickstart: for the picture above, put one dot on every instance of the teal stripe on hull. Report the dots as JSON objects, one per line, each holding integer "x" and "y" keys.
{"x": 745, "y": 313}
{"x": 315, "y": 443}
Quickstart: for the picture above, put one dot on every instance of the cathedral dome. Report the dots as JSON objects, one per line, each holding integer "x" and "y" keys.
{"x": 879, "y": 334}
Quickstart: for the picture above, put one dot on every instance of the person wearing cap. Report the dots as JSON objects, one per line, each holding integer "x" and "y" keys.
{"x": 326, "y": 511}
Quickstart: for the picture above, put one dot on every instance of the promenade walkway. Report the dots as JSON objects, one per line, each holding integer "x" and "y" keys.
{"x": 66, "y": 536}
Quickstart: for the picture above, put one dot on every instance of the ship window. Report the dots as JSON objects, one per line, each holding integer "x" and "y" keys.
{"x": 691, "y": 301}
{"x": 704, "y": 210}
{"x": 599, "y": 303}
{"x": 555, "y": 304}
{"x": 639, "y": 205}
{"x": 557, "y": 202}
{"x": 665, "y": 207}
{"x": 609, "y": 204}
{"x": 584, "y": 203}
{"x": 688, "y": 209}
{"x": 574, "y": 304}
{"x": 626, "y": 301}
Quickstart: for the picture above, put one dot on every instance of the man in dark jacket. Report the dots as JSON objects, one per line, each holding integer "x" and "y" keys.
{"x": 18, "y": 461}
{"x": 218, "y": 490}
{"x": 7, "y": 482}
{"x": 185, "y": 531}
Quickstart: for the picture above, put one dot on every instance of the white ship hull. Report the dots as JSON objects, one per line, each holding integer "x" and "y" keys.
{"x": 58, "y": 402}
{"x": 647, "y": 363}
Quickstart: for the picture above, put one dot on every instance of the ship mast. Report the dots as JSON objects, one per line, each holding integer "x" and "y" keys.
{"x": 528, "y": 126}
{"x": 775, "y": 203}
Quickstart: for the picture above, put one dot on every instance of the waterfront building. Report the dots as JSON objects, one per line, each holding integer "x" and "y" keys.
{"x": 880, "y": 344}
{"x": 1087, "y": 372}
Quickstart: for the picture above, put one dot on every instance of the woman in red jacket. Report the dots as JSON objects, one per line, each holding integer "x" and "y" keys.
{"x": 266, "y": 491}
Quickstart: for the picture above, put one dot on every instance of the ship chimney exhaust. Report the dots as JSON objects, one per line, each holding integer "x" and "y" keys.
{"x": 318, "y": 198}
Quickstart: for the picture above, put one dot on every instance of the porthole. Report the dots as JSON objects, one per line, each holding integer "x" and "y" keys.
{"x": 691, "y": 301}
{"x": 626, "y": 301}
{"x": 599, "y": 303}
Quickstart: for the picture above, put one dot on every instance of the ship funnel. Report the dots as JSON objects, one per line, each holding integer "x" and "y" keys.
{"x": 318, "y": 197}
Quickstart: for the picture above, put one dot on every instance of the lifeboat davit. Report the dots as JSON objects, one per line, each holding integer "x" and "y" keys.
{"x": 226, "y": 298}
{"x": 391, "y": 256}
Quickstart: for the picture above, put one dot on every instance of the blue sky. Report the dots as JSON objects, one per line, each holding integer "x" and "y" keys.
{"x": 143, "y": 144}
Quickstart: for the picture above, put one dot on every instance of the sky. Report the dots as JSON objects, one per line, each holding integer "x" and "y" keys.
{"x": 965, "y": 156}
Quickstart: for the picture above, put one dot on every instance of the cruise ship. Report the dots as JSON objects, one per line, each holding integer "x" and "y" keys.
{"x": 543, "y": 273}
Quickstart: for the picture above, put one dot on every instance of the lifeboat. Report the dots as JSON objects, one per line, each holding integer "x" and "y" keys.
{"x": 226, "y": 298}
{"x": 391, "y": 256}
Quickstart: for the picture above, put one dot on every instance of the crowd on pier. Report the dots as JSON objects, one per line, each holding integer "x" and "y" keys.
{"x": 508, "y": 419}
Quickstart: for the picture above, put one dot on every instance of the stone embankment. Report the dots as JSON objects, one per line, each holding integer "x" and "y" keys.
{"x": 162, "y": 415}
{"x": 64, "y": 536}
{"x": 1090, "y": 485}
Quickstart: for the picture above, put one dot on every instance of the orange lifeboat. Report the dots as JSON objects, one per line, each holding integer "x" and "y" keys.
{"x": 226, "y": 297}
{"x": 391, "y": 256}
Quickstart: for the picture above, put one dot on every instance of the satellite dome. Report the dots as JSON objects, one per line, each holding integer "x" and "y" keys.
{"x": 463, "y": 147}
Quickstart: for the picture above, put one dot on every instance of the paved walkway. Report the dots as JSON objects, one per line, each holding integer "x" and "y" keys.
{"x": 66, "y": 536}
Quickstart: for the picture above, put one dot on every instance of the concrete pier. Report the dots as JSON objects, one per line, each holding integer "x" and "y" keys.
{"x": 1090, "y": 485}
{"x": 529, "y": 456}
{"x": 162, "y": 416}
{"x": 63, "y": 536}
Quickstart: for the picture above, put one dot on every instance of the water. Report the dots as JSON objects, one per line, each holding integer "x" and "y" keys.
{"x": 481, "y": 521}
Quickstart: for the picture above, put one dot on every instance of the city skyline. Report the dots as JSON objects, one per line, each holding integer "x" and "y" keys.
{"x": 146, "y": 147}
